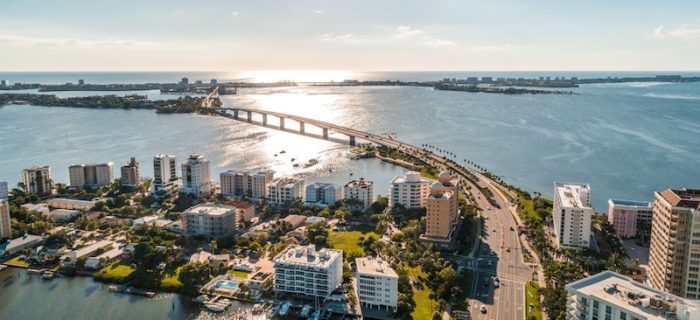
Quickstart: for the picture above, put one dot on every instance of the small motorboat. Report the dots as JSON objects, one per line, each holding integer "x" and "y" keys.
{"x": 215, "y": 307}
{"x": 201, "y": 298}
{"x": 283, "y": 151}
{"x": 48, "y": 275}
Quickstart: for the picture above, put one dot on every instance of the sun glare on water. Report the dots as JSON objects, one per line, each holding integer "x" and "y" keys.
{"x": 298, "y": 75}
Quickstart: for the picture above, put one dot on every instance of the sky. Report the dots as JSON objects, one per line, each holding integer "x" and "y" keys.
{"x": 354, "y": 35}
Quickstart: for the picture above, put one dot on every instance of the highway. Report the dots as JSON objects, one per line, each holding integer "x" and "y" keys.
{"x": 500, "y": 252}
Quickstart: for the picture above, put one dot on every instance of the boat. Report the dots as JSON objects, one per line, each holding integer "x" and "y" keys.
{"x": 275, "y": 154}
{"x": 305, "y": 311}
{"x": 310, "y": 163}
{"x": 283, "y": 151}
{"x": 225, "y": 302}
{"x": 285, "y": 308}
{"x": 201, "y": 298}
{"x": 48, "y": 275}
{"x": 315, "y": 316}
{"x": 296, "y": 165}
{"x": 215, "y": 307}
{"x": 293, "y": 159}
{"x": 2, "y": 267}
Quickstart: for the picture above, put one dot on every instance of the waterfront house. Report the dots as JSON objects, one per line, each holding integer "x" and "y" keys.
{"x": 18, "y": 245}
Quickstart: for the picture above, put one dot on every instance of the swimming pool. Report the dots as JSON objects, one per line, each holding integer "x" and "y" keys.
{"x": 225, "y": 284}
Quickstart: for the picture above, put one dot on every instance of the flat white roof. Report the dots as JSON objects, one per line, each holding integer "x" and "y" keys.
{"x": 374, "y": 266}
{"x": 307, "y": 255}
{"x": 570, "y": 194}
{"x": 210, "y": 209}
{"x": 624, "y": 292}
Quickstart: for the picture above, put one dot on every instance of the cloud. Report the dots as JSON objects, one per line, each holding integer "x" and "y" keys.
{"x": 234, "y": 14}
{"x": 683, "y": 32}
{"x": 437, "y": 42}
{"x": 330, "y": 37}
{"x": 406, "y": 31}
{"x": 15, "y": 40}
{"x": 317, "y": 11}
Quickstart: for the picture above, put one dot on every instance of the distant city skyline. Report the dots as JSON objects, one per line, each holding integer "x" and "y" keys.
{"x": 348, "y": 35}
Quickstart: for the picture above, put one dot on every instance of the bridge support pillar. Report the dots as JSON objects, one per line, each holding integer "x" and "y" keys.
{"x": 352, "y": 140}
{"x": 250, "y": 116}
{"x": 301, "y": 127}
{"x": 235, "y": 114}
{"x": 264, "y": 119}
{"x": 325, "y": 133}
{"x": 281, "y": 123}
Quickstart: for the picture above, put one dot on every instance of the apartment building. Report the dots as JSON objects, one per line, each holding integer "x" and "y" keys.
{"x": 91, "y": 175}
{"x": 164, "y": 172}
{"x": 210, "y": 220}
{"x": 4, "y": 190}
{"x": 244, "y": 183}
{"x": 5, "y": 225}
{"x": 131, "y": 174}
{"x": 304, "y": 270}
{"x": 322, "y": 194}
{"x": 286, "y": 189}
{"x": 196, "y": 175}
{"x": 377, "y": 283}
{"x": 630, "y": 217}
{"x": 612, "y": 296}
{"x": 410, "y": 190}
{"x": 37, "y": 180}
{"x": 572, "y": 214}
{"x": 361, "y": 190}
{"x": 442, "y": 214}
{"x": 674, "y": 253}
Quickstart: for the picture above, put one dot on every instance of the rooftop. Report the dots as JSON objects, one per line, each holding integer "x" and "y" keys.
{"x": 27, "y": 238}
{"x": 685, "y": 198}
{"x": 359, "y": 183}
{"x": 615, "y": 289}
{"x": 286, "y": 182}
{"x": 210, "y": 209}
{"x": 630, "y": 203}
{"x": 375, "y": 266}
{"x": 307, "y": 255}
{"x": 411, "y": 177}
{"x": 573, "y": 195}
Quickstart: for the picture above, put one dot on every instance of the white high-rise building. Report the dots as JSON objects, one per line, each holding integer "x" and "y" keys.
{"x": 4, "y": 190}
{"x": 285, "y": 189}
{"x": 196, "y": 175}
{"x": 91, "y": 175}
{"x": 5, "y": 225}
{"x": 410, "y": 190}
{"x": 37, "y": 180}
{"x": 303, "y": 270}
{"x": 572, "y": 215}
{"x": 243, "y": 183}
{"x": 361, "y": 190}
{"x": 612, "y": 296}
{"x": 164, "y": 172}
{"x": 322, "y": 194}
{"x": 377, "y": 283}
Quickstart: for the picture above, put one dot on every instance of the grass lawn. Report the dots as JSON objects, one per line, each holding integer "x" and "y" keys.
{"x": 171, "y": 280}
{"x": 532, "y": 298}
{"x": 348, "y": 241}
{"x": 529, "y": 210}
{"x": 239, "y": 273}
{"x": 16, "y": 262}
{"x": 424, "y": 305}
{"x": 116, "y": 272}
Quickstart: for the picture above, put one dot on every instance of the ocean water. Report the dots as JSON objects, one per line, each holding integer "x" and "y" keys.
{"x": 626, "y": 140}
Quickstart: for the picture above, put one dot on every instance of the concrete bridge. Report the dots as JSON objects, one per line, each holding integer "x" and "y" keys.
{"x": 299, "y": 125}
